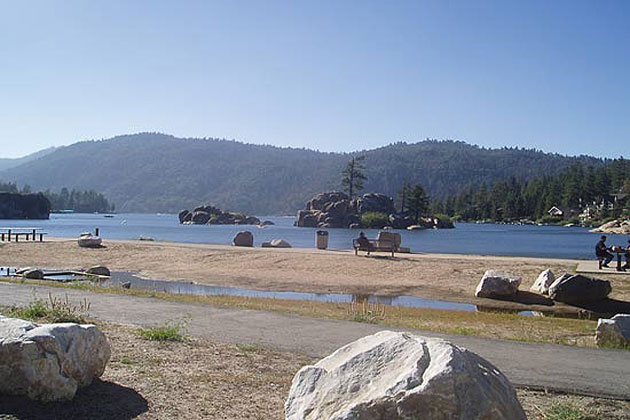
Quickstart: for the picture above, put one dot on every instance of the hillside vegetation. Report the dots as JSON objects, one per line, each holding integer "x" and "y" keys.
{"x": 152, "y": 172}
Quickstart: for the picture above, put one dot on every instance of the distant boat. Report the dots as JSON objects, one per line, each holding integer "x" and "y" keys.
{"x": 109, "y": 216}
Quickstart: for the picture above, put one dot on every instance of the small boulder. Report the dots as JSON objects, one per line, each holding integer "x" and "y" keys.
{"x": 276, "y": 243}
{"x": 34, "y": 274}
{"x": 496, "y": 283}
{"x": 542, "y": 283}
{"x": 49, "y": 362}
{"x": 393, "y": 375}
{"x": 578, "y": 289}
{"x": 243, "y": 238}
{"x": 99, "y": 270}
{"x": 614, "y": 332}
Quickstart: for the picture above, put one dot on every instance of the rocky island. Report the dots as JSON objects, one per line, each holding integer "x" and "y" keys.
{"x": 373, "y": 210}
{"x": 24, "y": 206}
{"x": 619, "y": 226}
{"x": 210, "y": 215}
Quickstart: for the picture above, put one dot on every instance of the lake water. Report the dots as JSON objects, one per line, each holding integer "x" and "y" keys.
{"x": 466, "y": 238}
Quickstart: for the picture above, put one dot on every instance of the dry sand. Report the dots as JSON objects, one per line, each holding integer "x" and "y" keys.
{"x": 433, "y": 276}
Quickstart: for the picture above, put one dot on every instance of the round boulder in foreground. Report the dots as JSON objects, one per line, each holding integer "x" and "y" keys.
{"x": 49, "y": 362}
{"x": 391, "y": 375}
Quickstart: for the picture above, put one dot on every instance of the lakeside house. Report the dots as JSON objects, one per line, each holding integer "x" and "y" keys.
{"x": 555, "y": 212}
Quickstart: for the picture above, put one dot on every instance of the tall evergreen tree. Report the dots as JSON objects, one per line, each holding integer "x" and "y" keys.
{"x": 353, "y": 176}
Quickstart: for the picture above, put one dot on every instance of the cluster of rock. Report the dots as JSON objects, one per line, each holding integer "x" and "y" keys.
{"x": 246, "y": 238}
{"x": 211, "y": 215}
{"x": 568, "y": 288}
{"x": 336, "y": 210}
{"x": 49, "y": 362}
{"x": 571, "y": 288}
{"x": 24, "y": 206}
{"x": 621, "y": 227}
{"x": 393, "y": 375}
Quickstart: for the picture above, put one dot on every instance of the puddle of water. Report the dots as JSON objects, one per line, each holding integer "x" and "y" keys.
{"x": 53, "y": 275}
{"x": 182, "y": 288}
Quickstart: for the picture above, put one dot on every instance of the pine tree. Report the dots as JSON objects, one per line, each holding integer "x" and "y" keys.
{"x": 353, "y": 175}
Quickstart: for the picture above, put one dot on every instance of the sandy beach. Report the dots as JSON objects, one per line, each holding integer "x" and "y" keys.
{"x": 434, "y": 276}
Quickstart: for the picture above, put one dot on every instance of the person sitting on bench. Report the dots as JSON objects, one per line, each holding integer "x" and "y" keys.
{"x": 364, "y": 243}
{"x": 627, "y": 266}
{"x": 601, "y": 250}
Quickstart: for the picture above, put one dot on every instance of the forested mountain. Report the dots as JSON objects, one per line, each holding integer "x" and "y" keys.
{"x": 6, "y": 163}
{"x": 603, "y": 190}
{"x": 156, "y": 172}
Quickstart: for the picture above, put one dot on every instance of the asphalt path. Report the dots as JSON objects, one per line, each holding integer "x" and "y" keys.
{"x": 587, "y": 371}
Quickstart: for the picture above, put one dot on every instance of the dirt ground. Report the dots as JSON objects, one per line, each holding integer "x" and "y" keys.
{"x": 198, "y": 378}
{"x": 433, "y": 276}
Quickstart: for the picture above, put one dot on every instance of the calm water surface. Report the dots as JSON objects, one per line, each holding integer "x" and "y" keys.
{"x": 466, "y": 238}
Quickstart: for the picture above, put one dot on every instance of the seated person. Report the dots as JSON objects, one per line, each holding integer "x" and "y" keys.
{"x": 601, "y": 250}
{"x": 627, "y": 256}
{"x": 364, "y": 243}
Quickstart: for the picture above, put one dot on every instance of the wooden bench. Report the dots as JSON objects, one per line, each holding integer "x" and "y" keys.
{"x": 27, "y": 233}
{"x": 384, "y": 242}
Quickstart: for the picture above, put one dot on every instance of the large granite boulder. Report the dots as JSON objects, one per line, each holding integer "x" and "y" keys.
{"x": 375, "y": 202}
{"x": 542, "y": 283}
{"x": 579, "y": 289}
{"x": 24, "y": 206}
{"x": 497, "y": 284}
{"x": 49, "y": 362}
{"x": 614, "y": 332}
{"x": 243, "y": 238}
{"x": 391, "y": 375}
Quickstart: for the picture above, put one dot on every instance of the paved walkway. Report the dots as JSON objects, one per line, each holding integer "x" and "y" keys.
{"x": 591, "y": 267}
{"x": 563, "y": 368}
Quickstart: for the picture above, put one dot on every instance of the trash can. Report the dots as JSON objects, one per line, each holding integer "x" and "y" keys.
{"x": 322, "y": 239}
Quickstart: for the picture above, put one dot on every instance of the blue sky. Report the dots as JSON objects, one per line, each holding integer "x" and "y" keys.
{"x": 328, "y": 75}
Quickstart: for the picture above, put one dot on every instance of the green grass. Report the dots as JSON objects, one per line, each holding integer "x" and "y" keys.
{"x": 125, "y": 360}
{"x": 248, "y": 348}
{"x": 566, "y": 412}
{"x": 168, "y": 332}
{"x": 55, "y": 310}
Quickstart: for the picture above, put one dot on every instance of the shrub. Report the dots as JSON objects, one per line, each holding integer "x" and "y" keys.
{"x": 171, "y": 331}
{"x": 376, "y": 220}
{"x": 54, "y": 311}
